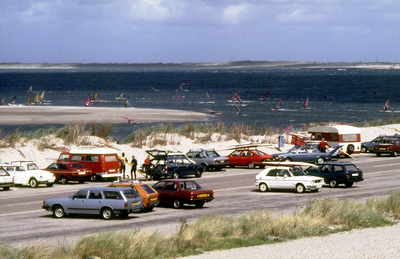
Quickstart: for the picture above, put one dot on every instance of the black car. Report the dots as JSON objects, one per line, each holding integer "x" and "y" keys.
{"x": 168, "y": 164}
{"x": 335, "y": 173}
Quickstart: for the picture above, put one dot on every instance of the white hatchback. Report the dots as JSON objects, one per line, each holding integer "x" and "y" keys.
{"x": 28, "y": 173}
{"x": 287, "y": 175}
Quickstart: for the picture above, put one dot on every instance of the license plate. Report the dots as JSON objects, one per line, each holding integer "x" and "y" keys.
{"x": 202, "y": 195}
{"x": 354, "y": 174}
{"x": 81, "y": 173}
{"x": 153, "y": 199}
{"x": 382, "y": 148}
{"x": 134, "y": 203}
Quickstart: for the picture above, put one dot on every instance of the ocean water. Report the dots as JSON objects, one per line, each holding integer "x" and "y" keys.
{"x": 335, "y": 95}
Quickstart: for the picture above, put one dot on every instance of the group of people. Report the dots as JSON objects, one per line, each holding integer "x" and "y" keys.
{"x": 123, "y": 161}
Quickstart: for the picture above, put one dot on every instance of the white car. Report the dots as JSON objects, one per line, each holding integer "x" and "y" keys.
{"x": 6, "y": 180}
{"x": 287, "y": 175}
{"x": 28, "y": 173}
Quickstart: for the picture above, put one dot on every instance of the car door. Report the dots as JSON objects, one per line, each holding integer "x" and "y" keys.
{"x": 182, "y": 167}
{"x": 168, "y": 193}
{"x": 234, "y": 157}
{"x": 78, "y": 202}
{"x": 283, "y": 179}
{"x": 191, "y": 168}
{"x": 244, "y": 157}
{"x": 271, "y": 179}
{"x": 95, "y": 201}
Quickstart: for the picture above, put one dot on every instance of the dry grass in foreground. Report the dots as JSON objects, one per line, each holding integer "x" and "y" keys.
{"x": 212, "y": 232}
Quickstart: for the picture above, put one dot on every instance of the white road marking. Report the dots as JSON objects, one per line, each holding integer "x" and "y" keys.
{"x": 385, "y": 165}
{"x": 17, "y": 213}
{"x": 33, "y": 202}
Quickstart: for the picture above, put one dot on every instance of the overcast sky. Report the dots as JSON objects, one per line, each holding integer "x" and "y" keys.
{"x": 176, "y": 31}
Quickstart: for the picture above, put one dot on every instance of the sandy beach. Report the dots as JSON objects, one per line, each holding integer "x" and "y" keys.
{"x": 11, "y": 115}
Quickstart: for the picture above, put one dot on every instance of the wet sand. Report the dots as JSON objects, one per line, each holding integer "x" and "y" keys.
{"x": 10, "y": 115}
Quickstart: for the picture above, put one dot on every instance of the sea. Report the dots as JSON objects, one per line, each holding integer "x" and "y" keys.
{"x": 335, "y": 95}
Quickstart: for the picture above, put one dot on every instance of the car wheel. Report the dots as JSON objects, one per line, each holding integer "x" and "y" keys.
{"x": 149, "y": 208}
{"x": 6, "y": 188}
{"x": 348, "y": 184}
{"x": 333, "y": 183}
{"x": 177, "y": 204}
{"x": 364, "y": 149}
{"x": 263, "y": 187}
{"x": 124, "y": 215}
{"x": 198, "y": 173}
{"x": 63, "y": 180}
{"x": 33, "y": 183}
{"x": 107, "y": 213}
{"x": 58, "y": 212}
{"x": 378, "y": 154}
{"x": 320, "y": 160}
{"x": 350, "y": 149}
{"x": 93, "y": 178}
{"x": 394, "y": 153}
{"x": 175, "y": 175}
{"x": 50, "y": 184}
{"x": 287, "y": 159}
{"x": 300, "y": 188}
{"x": 251, "y": 165}
{"x": 81, "y": 181}
{"x": 200, "y": 204}
{"x": 206, "y": 168}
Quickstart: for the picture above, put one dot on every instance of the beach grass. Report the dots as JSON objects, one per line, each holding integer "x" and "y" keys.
{"x": 212, "y": 232}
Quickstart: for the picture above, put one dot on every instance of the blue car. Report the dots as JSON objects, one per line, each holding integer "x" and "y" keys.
{"x": 308, "y": 155}
{"x": 104, "y": 201}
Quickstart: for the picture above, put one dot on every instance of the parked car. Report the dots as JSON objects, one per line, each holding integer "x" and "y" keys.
{"x": 388, "y": 146}
{"x": 166, "y": 164}
{"x": 248, "y": 157}
{"x": 28, "y": 173}
{"x": 104, "y": 201}
{"x": 148, "y": 194}
{"x": 182, "y": 191}
{"x": 287, "y": 175}
{"x": 304, "y": 154}
{"x": 335, "y": 173}
{"x": 6, "y": 180}
{"x": 368, "y": 146}
{"x": 209, "y": 158}
{"x": 69, "y": 171}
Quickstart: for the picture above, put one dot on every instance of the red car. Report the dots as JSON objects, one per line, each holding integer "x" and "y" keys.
{"x": 182, "y": 191}
{"x": 248, "y": 157}
{"x": 69, "y": 171}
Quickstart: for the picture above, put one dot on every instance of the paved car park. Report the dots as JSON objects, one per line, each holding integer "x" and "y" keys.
{"x": 23, "y": 221}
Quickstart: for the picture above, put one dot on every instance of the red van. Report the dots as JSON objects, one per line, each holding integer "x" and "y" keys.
{"x": 102, "y": 161}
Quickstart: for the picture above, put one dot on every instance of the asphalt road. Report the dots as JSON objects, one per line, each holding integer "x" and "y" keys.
{"x": 24, "y": 222}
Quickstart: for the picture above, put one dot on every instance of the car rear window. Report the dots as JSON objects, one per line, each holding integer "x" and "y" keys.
{"x": 148, "y": 189}
{"x": 351, "y": 168}
{"x": 129, "y": 194}
{"x": 212, "y": 154}
{"x": 189, "y": 186}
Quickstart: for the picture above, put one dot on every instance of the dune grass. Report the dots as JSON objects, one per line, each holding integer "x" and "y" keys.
{"x": 211, "y": 232}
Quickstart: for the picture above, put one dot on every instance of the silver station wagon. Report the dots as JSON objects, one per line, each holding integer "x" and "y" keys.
{"x": 104, "y": 201}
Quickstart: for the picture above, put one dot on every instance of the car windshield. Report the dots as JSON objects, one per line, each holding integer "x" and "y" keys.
{"x": 76, "y": 166}
{"x": 129, "y": 194}
{"x": 297, "y": 171}
{"x": 212, "y": 153}
{"x": 3, "y": 172}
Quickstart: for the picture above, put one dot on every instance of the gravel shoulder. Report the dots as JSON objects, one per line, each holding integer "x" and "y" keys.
{"x": 382, "y": 242}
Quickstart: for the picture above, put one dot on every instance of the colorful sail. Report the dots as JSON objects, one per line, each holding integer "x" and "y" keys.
{"x": 29, "y": 89}
{"x": 208, "y": 98}
{"x": 266, "y": 95}
{"x": 235, "y": 97}
{"x": 278, "y": 105}
{"x": 180, "y": 88}
{"x": 238, "y": 111}
{"x": 386, "y": 105}
{"x": 88, "y": 101}
{"x": 41, "y": 97}
{"x": 14, "y": 100}
{"x": 28, "y": 102}
{"x": 127, "y": 102}
{"x": 94, "y": 98}
{"x": 3, "y": 100}
{"x": 37, "y": 98}
{"x": 305, "y": 104}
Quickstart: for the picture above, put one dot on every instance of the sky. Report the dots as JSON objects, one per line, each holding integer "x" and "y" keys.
{"x": 179, "y": 31}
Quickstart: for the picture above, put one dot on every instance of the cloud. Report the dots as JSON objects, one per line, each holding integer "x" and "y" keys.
{"x": 234, "y": 14}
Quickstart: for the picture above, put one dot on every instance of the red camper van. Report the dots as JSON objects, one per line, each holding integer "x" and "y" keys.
{"x": 102, "y": 161}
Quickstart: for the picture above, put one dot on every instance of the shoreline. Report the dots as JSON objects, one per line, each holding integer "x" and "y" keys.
{"x": 19, "y": 115}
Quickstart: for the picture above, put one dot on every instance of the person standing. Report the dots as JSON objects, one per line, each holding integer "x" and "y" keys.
{"x": 122, "y": 161}
{"x": 323, "y": 145}
{"x": 133, "y": 167}
{"x": 147, "y": 166}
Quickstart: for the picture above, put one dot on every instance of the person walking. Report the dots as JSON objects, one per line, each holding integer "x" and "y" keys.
{"x": 133, "y": 167}
{"x": 122, "y": 164}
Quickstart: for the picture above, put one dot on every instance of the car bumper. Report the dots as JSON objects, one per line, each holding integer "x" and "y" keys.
{"x": 152, "y": 204}
{"x": 206, "y": 199}
{"x": 10, "y": 184}
{"x": 46, "y": 181}
{"x": 315, "y": 186}
{"x": 105, "y": 175}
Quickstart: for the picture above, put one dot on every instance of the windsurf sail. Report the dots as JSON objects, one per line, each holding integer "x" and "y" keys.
{"x": 180, "y": 88}
{"x": 88, "y": 101}
{"x": 278, "y": 105}
{"x": 127, "y": 102}
{"x": 41, "y": 97}
{"x": 305, "y": 104}
{"x": 130, "y": 120}
{"x": 94, "y": 98}
{"x": 236, "y": 97}
{"x": 185, "y": 80}
{"x": 208, "y": 98}
{"x": 212, "y": 111}
{"x": 266, "y": 95}
{"x": 14, "y": 100}
{"x": 29, "y": 89}
{"x": 37, "y": 98}
{"x": 28, "y": 102}
{"x": 120, "y": 96}
{"x": 238, "y": 111}
{"x": 3, "y": 100}
{"x": 386, "y": 105}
